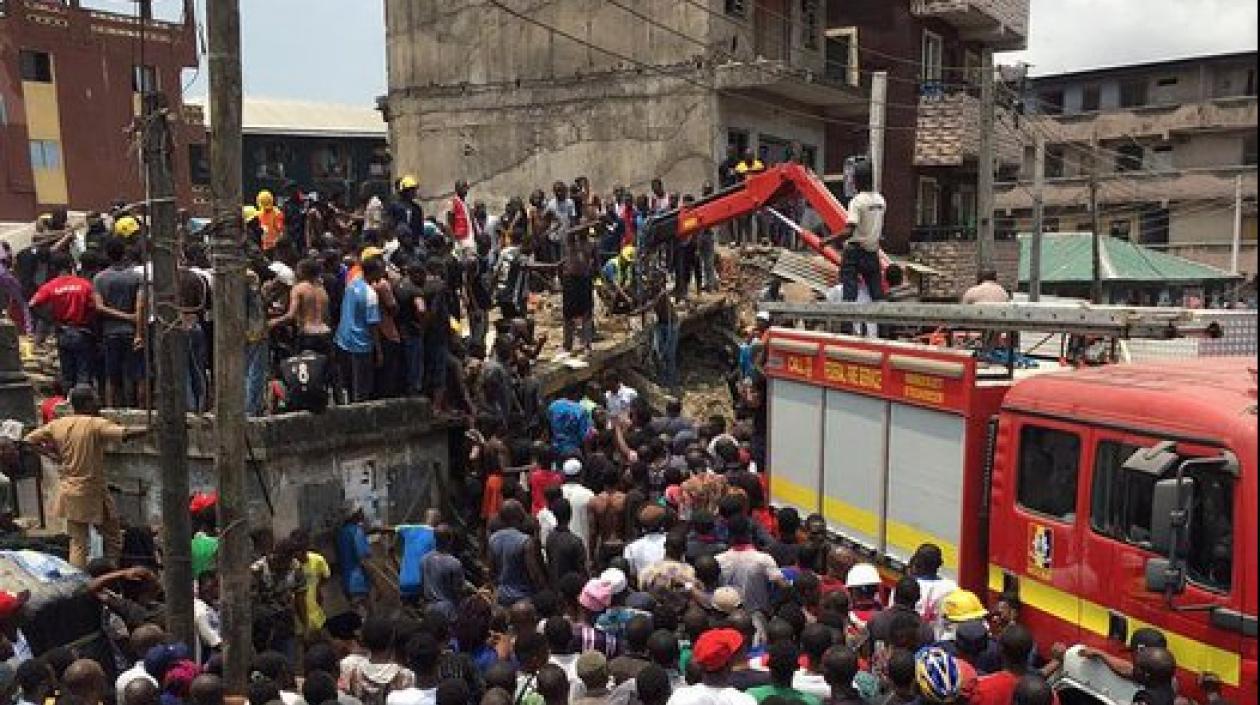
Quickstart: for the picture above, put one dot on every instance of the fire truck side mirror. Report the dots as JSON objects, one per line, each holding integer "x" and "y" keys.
{"x": 1161, "y": 575}
{"x": 1170, "y": 516}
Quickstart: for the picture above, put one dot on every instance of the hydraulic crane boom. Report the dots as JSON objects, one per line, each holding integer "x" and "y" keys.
{"x": 756, "y": 192}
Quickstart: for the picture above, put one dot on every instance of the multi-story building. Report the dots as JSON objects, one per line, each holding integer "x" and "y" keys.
{"x": 932, "y": 51}
{"x": 71, "y": 78}
{"x": 513, "y": 95}
{"x": 1165, "y": 143}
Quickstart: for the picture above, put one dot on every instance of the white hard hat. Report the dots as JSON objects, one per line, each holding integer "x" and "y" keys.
{"x": 862, "y": 575}
{"x": 615, "y": 579}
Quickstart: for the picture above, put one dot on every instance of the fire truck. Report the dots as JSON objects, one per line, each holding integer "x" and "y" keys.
{"x": 1106, "y": 498}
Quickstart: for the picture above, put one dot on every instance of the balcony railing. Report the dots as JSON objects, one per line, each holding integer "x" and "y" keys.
{"x": 1003, "y": 24}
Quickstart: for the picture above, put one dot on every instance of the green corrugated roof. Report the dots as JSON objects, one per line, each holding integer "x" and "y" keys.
{"x": 1068, "y": 258}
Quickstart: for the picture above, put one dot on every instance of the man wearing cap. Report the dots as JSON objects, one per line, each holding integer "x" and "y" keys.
{"x": 404, "y": 210}
{"x": 579, "y": 497}
{"x": 714, "y": 652}
{"x": 272, "y": 221}
{"x": 78, "y": 442}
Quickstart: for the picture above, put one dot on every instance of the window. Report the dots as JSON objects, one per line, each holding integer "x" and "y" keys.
{"x": 1055, "y": 161}
{"x": 1091, "y": 99}
{"x": 1249, "y": 149}
{"x": 1133, "y": 93}
{"x": 842, "y": 55}
{"x": 331, "y": 161}
{"x": 933, "y": 57}
{"x": 144, "y": 79}
{"x": 45, "y": 154}
{"x": 1120, "y": 508}
{"x": 198, "y": 164}
{"x": 1161, "y": 158}
{"x": 735, "y": 7}
{"x": 809, "y": 24}
{"x": 965, "y": 205}
{"x": 1049, "y": 462}
{"x": 4, "y": 112}
{"x": 36, "y": 66}
{"x": 737, "y": 139}
{"x": 1051, "y": 102}
{"x": 1166, "y": 81}
{"x": 1121, "y": 228}
{"x": 1129, "y": 157}
{"x": 929, "y": 202}
{"x": 972, "y": 68}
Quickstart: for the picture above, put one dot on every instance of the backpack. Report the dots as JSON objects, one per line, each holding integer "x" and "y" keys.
{"x": 305, "y": 380}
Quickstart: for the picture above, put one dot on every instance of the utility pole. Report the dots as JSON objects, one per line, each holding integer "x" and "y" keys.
{"x": 1039, "y": 207}
{"x": 229, "y": 340}
{"x": 1095, "y": 288}
{"x": 879, "y": 104}
{"x": 1236, "y": 246}
{"x": 170, "y": 350}
{"x": 984, "y": 189}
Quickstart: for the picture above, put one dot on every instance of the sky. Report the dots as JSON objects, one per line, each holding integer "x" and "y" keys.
{"x": 334, "y": 50}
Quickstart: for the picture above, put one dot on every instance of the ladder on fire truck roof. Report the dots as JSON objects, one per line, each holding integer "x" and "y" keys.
{"x": 1121, "y": 322}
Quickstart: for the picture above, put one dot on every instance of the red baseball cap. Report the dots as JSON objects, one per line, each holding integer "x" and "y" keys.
{"x": 714, "y": 648}
{"x": 10, "y": 602}
{"x": 202, "y": 501}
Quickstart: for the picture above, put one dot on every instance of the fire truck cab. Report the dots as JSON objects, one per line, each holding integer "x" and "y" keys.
{"x": 1107, "y": 499}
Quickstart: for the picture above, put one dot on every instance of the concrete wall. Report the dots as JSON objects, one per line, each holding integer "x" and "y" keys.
{"x": 1210, "y": 150}
{"x": 391, "y": 455}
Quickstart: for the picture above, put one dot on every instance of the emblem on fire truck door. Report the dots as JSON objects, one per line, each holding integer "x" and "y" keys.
{"x": 1040, "y": 551}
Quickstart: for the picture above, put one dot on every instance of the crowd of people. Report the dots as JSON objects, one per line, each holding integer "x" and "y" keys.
{"x": 618, "y": 554}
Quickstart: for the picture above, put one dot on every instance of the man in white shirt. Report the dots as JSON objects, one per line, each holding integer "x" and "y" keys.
{"x": 650, "y": 548}
{"x": 579, "y": 497}
{"x": 861, "y": 237}
{"x": 206, "y": 616}
{"x": 617, "y": 396}
{"x": 925, "y": 567}
{"x": 143, "y": 638}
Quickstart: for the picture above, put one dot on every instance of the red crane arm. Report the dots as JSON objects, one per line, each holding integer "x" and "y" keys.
{"x": 761, "y": 190}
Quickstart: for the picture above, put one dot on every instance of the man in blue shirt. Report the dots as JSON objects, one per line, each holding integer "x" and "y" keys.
{"x": 357, "y": 336}
{"x": 570, "y": 423}
{"x": 352, "y": 551}
{"x": 417, "y": 541}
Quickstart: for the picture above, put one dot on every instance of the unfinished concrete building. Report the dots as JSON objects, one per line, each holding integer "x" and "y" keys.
{"x": 514, "y": 94}
{"x": 1167, "y": 142}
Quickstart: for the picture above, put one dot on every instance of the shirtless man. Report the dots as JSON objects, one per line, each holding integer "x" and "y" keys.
{"x": 308, "y": 310}
{"x": 607, "y": 514}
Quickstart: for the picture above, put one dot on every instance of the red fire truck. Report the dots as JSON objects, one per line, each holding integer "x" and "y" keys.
{"x": 1107, "y": 498}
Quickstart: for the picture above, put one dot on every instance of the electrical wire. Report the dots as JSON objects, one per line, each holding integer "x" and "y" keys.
{"x": 668, "y": 74}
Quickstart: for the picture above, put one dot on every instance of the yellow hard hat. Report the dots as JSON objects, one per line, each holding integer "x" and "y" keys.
{"x": 627, "y": 253}
{"x": 265, "y": 200}
{"x": 408, "y": 182}
{"x": 249, "y": 213}
{"x": 963, "y": 606}
{"x": 370, "y": 252}
{"x": 126, "y": 226}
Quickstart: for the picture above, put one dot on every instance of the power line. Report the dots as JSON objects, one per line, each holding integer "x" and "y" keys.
{"x": 657, "y": 69}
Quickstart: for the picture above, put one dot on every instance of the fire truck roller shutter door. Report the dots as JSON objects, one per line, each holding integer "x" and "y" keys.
{"x": 796, "y": 445}
{"x": 925, "y": 477}
{"x": 855, "y": 460}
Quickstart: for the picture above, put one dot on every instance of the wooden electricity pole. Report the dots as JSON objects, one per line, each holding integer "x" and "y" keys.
{"x": 1095, "y": 288}
{"x": 1039, "y": 225}
{"x": 984, "y": 189}
{"x": 229, "y": 340}
{"x": 170, "y": 350}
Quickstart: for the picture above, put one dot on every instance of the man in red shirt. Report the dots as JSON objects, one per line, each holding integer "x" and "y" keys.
{"x": 997, "y": 688}
{"x": 460, "y": 219}
{"x": 542, "y": 476}
{"x": 66, "y": 301}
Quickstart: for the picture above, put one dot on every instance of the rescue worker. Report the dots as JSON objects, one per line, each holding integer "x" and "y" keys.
{"x": 618, "y": 273}
{"x": 749, "y": 165}
{"x": 126, "y": 227}
{"x": 271, "y": 220}
{"x": 404, "y": 210}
